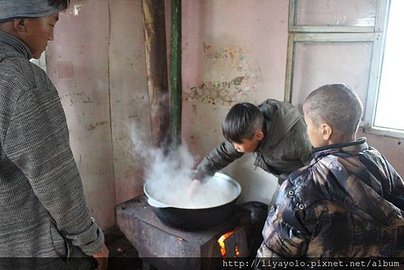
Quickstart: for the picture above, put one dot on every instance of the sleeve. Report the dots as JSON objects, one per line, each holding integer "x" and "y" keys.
{"x": 303, "y": 146}
{"x": 283, "y": 233}
{"x": 37, "y": 141}
{"x": 218, "y": 158}
{"x": 289, "y": 155}
{"x": 397, "y": 187}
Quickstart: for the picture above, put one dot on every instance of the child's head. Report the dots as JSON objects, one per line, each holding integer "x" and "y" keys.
{"x": 243, "y": 127}
{"x": 332, "y": 114}
{"x": 32, "y": 22}
{"x": 30, "y": 9}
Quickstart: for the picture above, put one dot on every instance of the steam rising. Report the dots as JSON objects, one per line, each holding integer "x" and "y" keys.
{"x": 169, "y": 178}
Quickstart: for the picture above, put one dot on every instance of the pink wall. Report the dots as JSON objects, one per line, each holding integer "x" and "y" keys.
{"x": 129, "y": 96}
{"x": 97, "y": 62}
{"x": 78, "y": 65}
{"x": 236, "y": 50}
{"x": 233, "y": 51}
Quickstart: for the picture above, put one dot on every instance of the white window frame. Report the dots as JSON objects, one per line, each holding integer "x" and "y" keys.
{"x": 322, "y": 33}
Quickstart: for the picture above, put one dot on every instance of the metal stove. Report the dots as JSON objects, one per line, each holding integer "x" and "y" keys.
{"x": 164, "y": 247}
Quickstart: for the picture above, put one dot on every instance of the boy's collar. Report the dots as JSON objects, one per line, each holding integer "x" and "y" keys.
{"x": 358, "y": 145}
{"x": 265, "y": 139}
{"x": 16, "y": 43}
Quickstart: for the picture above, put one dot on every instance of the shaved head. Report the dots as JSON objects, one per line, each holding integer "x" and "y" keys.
{"x": 336, "y": 105}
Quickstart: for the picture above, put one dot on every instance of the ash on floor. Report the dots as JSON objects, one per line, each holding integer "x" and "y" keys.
{"x": 122, "y": 255}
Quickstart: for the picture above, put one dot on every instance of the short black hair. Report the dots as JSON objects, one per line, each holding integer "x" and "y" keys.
{"x": 241, "y": 122}
{"x": 59, "y": 4}
{"x": 337, "y": 105}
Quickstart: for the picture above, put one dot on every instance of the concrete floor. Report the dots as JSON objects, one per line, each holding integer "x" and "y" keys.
{"x": 122, "y": 255}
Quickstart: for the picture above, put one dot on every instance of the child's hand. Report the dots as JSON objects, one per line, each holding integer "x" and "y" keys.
{"x": 194, "y": 187}
{"x": 199, "y": 175}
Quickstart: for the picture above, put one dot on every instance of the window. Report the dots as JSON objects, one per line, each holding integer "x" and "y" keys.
{"x": 342, "y": 41}
{"x": 390, "y": 99}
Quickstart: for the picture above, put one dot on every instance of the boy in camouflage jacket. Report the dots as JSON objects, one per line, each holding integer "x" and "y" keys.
{"x": 348, "y": 202}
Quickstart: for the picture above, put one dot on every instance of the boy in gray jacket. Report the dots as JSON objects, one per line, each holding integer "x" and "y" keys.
{"x": 274, "y": 131}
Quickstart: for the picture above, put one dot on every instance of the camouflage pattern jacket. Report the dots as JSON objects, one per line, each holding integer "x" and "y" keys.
{"x": 348, "y": 202}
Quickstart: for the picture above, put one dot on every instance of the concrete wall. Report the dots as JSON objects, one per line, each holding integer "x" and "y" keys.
{"x": 233, "y": 50}
{"x": 78, "y": 64}
{"x": 97, "y": 63}
{"x": 129, "y": 97}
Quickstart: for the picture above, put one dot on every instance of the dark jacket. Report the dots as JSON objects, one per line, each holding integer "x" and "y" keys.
{"x": 284, "y": 149}
{"x": 348, "y": 202}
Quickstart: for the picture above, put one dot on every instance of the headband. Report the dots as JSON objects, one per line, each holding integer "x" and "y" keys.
{"x": 25, "y": 9}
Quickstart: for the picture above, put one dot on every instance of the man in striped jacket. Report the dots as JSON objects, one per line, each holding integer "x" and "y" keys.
{"x": 42, "y": 204}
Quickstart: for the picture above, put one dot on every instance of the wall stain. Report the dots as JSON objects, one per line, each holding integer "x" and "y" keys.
{"x": 97, "y": 124}
{"x": 79, "y": 95}
{"x": 229, "y": 76}
{"x": 217, "y": 92}
{"x": 232, "y": 53}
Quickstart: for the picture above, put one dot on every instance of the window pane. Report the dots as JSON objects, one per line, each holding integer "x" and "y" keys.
{"x": 390, "y": 108}
{"x": 319, "y": 63}
{"x": 336, "y": 12}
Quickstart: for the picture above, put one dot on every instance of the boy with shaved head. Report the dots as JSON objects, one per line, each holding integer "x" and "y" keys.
{"x": 349, "y": 202}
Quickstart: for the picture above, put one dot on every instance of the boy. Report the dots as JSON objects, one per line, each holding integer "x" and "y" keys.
{"x": 42, "y": 205}
{"x": 348, "y": 202}
{"x": 274, "y": 131}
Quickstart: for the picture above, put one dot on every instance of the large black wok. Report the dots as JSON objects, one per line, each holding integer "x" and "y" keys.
{"x": 190, "y": 218}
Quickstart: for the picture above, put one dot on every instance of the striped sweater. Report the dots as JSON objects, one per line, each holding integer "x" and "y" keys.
{"x": 42, "y": 204}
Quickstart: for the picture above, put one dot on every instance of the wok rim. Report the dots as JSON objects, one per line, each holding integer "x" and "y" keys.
{"x": 158, "y": 204}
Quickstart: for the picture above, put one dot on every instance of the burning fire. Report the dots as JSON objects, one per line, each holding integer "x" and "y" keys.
{"x": 221, "y": 242}
{"x": 236, "y": 251}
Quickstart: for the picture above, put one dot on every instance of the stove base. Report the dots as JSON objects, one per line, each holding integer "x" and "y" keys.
{"x": 165, "y": 247}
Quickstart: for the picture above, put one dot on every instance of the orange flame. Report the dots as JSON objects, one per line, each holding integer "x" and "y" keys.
{"x": 222, "y": 245}
{"x": 237, "y": 251}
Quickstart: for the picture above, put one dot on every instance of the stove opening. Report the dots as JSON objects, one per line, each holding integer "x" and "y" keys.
{"x": 233, "y": 243}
